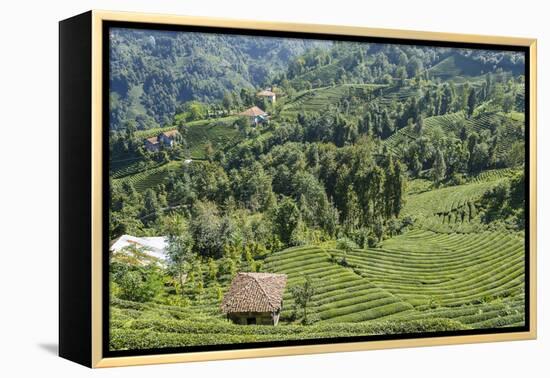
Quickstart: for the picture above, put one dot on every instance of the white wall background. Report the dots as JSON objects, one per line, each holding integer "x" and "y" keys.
{"x": 28, "y": 186}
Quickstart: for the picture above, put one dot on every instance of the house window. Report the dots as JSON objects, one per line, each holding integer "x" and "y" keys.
{"x": 250, "y": 321}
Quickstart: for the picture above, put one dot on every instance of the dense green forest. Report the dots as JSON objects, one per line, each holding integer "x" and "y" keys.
{"x": 153, "y": 73}
{"x": 388, "y": 177}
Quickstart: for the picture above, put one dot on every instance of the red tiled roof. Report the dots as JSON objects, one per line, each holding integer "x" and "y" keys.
{"x": 255, "y": 292}
{"x": 253, "y": 112}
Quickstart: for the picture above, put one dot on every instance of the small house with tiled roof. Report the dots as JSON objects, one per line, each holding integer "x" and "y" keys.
{"x": 152, "y": 144}
{"x": 255, "y": 115}
{"x": 166, "y": 138}
{"x": 271, "y": 96}
{"x": 255, "y": 298}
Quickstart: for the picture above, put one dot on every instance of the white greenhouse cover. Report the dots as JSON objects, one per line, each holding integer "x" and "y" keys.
{"x": 154, "y": 246}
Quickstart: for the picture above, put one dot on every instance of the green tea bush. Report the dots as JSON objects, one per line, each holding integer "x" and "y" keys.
{"x": 158, "y": 334}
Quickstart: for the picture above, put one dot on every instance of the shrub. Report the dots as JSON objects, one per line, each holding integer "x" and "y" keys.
{"x": 345, "y": 244}
{"x": 456, "y": 179}
{"x": 139, "y": 286}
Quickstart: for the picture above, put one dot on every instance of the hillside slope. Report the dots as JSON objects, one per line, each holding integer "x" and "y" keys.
{"x": 144, "y": 88}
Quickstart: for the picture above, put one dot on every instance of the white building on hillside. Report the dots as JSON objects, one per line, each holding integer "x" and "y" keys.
{"x": 154, "y": 246}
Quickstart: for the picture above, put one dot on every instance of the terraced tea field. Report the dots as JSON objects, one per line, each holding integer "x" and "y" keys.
{"x": 451, "y": 124}
{"x": 472, "y": 278}
{"x": 218, "y": 132}
{"x": 493, "y": 174}
{"x": 455, "y": 67}
{"x": 454, "y": 208}
{"x": 149, "y": 178}
{"x": 315, "y": 100}
{"x": 143, "y": 326}
{"x": 426, "y": 268}
{"x": 419, "y": 282}
{"x": 342, "y": 295}
{"x": 399, "y": 94}
{"x": 458, "y": 277}
{"x": 450, "y": 205}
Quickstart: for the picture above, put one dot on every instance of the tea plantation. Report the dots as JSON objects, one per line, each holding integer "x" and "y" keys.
{"x": 449, "y": 272}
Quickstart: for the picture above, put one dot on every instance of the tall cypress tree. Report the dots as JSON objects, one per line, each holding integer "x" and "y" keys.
{"x": 398, "y": 187}
{"x": 472, "y": 102}
{"x": 439, "y": 167}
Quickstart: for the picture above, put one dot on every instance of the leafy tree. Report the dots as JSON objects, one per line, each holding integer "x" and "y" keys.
{"x": 465, "y": 96}
{"x": 414, "y": 66}
{"x": 517, "y": 191}
{"x": 505, "y": 203}
{"x": 219, "y": 293}
{"x": 403, "y": 59}
{"x": 346, "y": 245}
{"x": 180, "y": 248}
{"x": 416, "y": 165}
{"x": 397, "y": 189}
{"x": 516, "y": 154}
{"x": 138, "y": 284}
{"x": 303, "y": 295}
{"x": 228, "y": 266}
{"x": 508, "y": 102}
{"x": 439, "y": 167}
{"x": 227, "y": 101}
{"x": 286, "y": 219}
{"x": 183, "y": 129}
{"x": 419, "y": 125}
{"x": 209, "y": 151}
{"x": 243, "y": 124}
{"x": 472, "y": 102}
{"x": 488, "y": 86}
{"x": 388, "y": 126}
{"x": 130, "y": 130}
{"x": 401, "y": 74}
{"x": 479, "y": 157}
{"x": 352, "y": 211}
{"x": 447, "y": 99}
{"x": 252, "y": 187}
{"x": 194, "y": 110}
{"x": 210, "y": 231}
{"x": 151, "y": 208}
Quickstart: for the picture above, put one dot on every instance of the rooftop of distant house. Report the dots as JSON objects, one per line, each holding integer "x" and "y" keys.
{"x": 166, "y": 134}
{"x": 266, "y": 93}
{"x": 170, "y": 133}
{"x": 152, "y": 140}
{"x": 253, "y": 112}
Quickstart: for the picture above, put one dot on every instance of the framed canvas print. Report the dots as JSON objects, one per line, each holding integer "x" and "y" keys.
{"x": 234, "y": 189}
